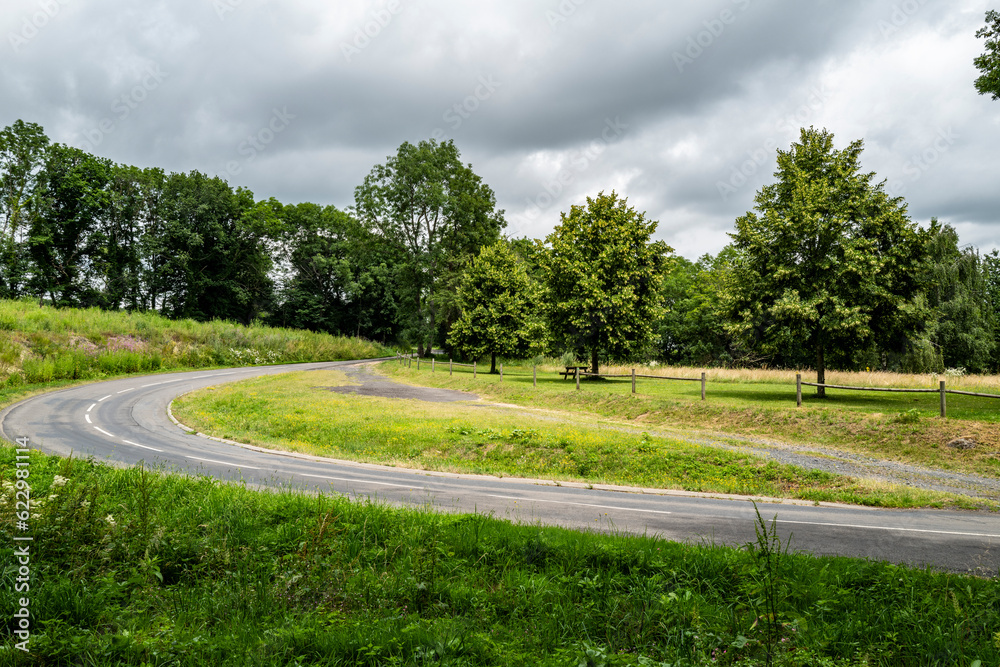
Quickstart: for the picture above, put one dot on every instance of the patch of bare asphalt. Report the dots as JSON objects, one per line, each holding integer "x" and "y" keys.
{"x": 806, "y": 457}
{"x": 369, "y": 384}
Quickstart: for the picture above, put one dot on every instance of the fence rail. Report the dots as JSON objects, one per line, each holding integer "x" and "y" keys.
{"x": 942, "y": 390}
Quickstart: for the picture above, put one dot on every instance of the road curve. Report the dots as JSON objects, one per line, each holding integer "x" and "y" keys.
{"x": 126, "y": 421}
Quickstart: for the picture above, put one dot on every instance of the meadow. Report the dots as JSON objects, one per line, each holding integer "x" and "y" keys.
{"x": 896, "y": 427}
{"x": 298, "y": 412}
{"x": 135, "y": 567}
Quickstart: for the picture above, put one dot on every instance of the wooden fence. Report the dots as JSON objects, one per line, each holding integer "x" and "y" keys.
{"x": 942, "y": 391}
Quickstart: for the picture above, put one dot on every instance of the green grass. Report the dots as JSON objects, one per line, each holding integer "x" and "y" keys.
{"x": 130, "y": 567}
{"x": 901, "y": 427}
{"x": 295, "y": 412}
{"x": 43, "y": 345}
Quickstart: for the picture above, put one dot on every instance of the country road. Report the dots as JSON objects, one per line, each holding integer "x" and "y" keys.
{"x": 126, "y": 421}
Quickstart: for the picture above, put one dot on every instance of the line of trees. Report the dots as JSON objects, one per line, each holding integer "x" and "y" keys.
{"x": 828, "y": 271}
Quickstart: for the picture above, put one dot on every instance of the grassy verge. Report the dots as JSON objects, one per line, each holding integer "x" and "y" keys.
{"x": 129, "y": 567}
{"x": 298, "y": 412}
{"x": 44, "y": 347}
{"x": 899, "y": 427}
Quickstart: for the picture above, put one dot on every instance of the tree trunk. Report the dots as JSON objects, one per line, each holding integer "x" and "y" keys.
{"x": 820, "y": 372}
{"x": 493, "y": 363}
{"x": 593, "y": 361}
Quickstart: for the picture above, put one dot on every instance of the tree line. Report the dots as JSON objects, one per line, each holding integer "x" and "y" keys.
{"x": 828, "y": 271}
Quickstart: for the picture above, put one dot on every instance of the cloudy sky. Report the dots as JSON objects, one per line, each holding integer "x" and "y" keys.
{"x": 679, "y": 106}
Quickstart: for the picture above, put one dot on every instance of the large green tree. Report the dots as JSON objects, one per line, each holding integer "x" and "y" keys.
{"x": 988, "y": 63}
{"x": 71, "y": 200}
{"x": 23, "y": 149}
{"x": 434, "y": 213}
{"x": 963, "y": 327}
{"x": 500, "y": 308}
{"x": 829, "y": 263}
{"x": 604, "y": 274}
{"x": 212, "y": 247}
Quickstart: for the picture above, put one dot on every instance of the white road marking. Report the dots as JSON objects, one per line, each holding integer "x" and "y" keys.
{"x": 136, "y": 444}
{"x": 359, "y": 481}
{"x": 92, "y": 407}
{"x": 224, "y": 463}
{"x": 87, "y": 417}
{"x": 156, "y": 384}
{"x": 110, "y": 435}
{"x": 564, "y": 502}
{"x": 104, "y": 399}
{"x": 124, "y": 390}
{"x": 905, "y": 530}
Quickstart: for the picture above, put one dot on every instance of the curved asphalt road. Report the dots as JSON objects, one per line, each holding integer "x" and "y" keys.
{"x": 125, "y": 422}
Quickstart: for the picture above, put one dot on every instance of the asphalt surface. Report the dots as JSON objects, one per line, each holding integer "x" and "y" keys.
{"x": 126, "y": 422}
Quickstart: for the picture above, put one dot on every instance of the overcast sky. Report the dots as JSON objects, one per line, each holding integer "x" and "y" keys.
{"x": 678, "y": 106}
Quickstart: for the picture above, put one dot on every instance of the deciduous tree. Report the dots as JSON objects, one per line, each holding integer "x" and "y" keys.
{"x": 604, "y": 276}
{"x": 500, "y": 308}
{"x": 989, "y": 62}
{"x": 436, "y": 212}
{"x": 830, "y": 264}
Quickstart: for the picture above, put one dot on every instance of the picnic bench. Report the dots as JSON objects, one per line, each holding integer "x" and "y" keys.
{"x": 571, "y": 371}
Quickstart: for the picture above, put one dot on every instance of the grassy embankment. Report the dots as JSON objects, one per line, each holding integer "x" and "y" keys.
{"x": 299, "y": 413}
{"x": 129, "y": 567}
{"x": 900, "y": 427}
{"x": 43, "y": 347}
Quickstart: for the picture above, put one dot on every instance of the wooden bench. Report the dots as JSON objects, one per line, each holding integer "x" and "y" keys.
{"x": 571, "y": 371}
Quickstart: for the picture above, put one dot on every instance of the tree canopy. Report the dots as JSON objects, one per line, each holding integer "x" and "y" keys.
{"x": 500, "y": 308}
{"x": 988, "y": 63}
{"x": 604, "y": 276}
{"x": 434, "y": 212}
{"x": 829, "y": 264}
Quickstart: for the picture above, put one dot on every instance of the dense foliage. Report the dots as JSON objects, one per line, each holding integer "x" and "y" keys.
{"x": 829, "y": 270}
{"x": 989, "y": 62}
{"x": 604, "y": 272}
{"x": 500, "y": 308}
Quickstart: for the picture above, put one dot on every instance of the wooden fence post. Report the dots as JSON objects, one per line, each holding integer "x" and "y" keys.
{"x": 944, "y": 406}
{"x": 449, "y": 367}
{"x": 534, "y": 375}
{"x": 633, "y": 380}
{"x": 473, "y": 370}
{"x": 418, "y": 363}
{"x": 798, "y": 390}
{"x": 703, "y": 386}
{"x": 432, "y": 364}
{"x": 501, "y": 372}
{"x": 578, "y": 378}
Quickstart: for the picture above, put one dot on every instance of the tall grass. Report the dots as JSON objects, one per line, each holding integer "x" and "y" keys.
{"x": 45, "y": 344}
{"x": 135, "y": 568}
